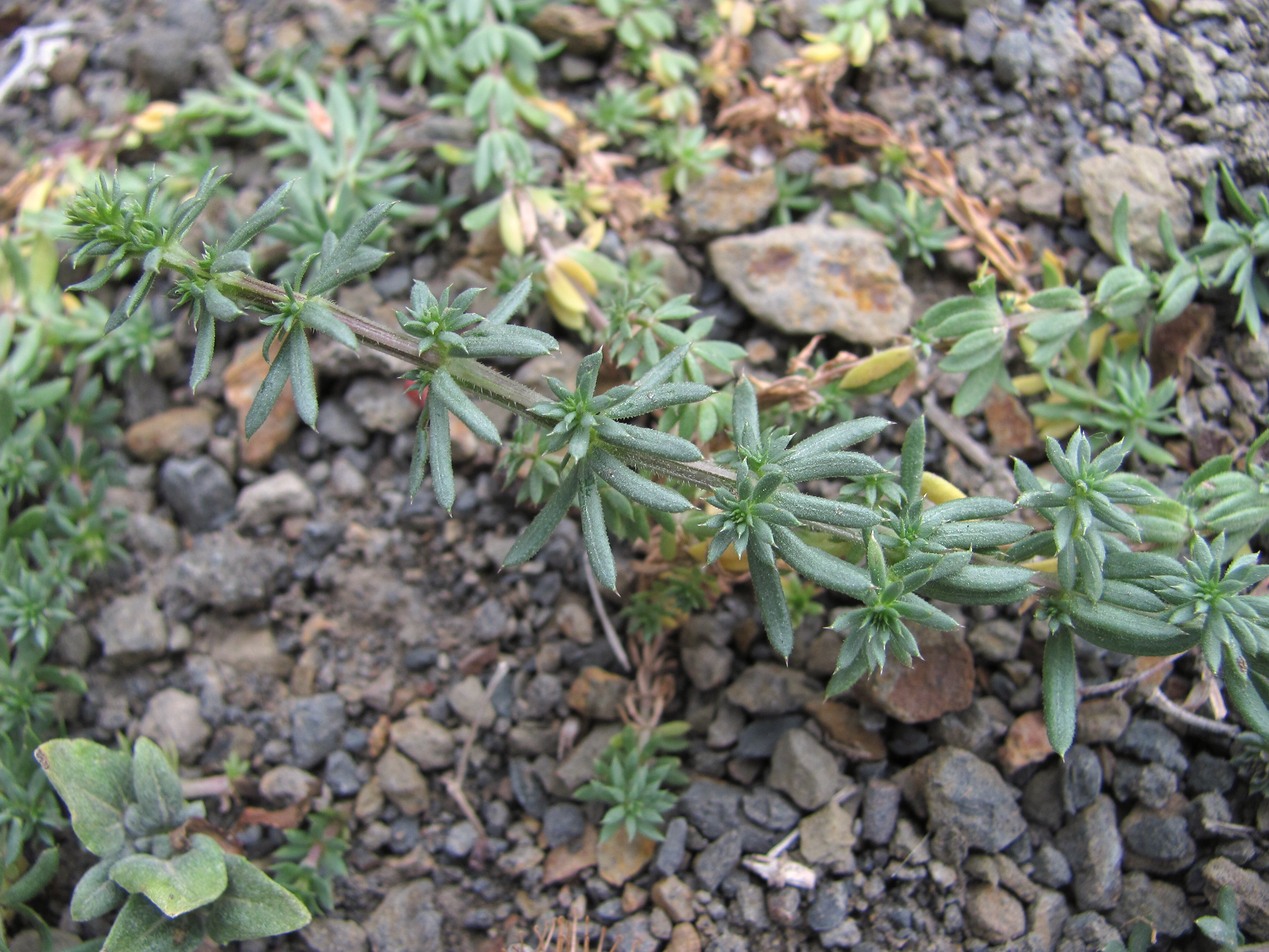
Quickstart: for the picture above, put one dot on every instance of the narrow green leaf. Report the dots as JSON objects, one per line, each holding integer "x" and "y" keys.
{"x": 635, "y": 487}
{"x": 830, "y": 465}
{"x": 270, "y": 389}
{"x": 32, "y": 882}
{"x": 595, "y": 535}
{"x": 511, "y": 302}
{"x": 838, "y": 437}
{"x": 646, "y": 440}
{"x": 819, "y": 566}
{"x": 418, "y": 461}
{"x": 458, "y": 404}
{"x": 847, "y": 675}
{"x": 439, "y": 451}
{"x": 772, "y": 603}
{"x": 260, "y": 219}
{"x": 303, "y": 382}
{"x": 316, "y": 314}
{"x": 1061, "y": 689}
{"x": 981, "y": 585}
{"x": 204, "y": 350}
{"x": 1244, "y": 697}
{"x": 912, "y": 462}
{"x": 833, "y": 512}
{"x": 540, "y": 529}
{"x": 648, "y": 399}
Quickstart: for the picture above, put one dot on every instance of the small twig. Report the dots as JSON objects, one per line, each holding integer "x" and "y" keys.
{"x": 453, "y": 782}
{"x": 1122, "y": 684}
{"x": 39, "y": 47}
{"x": 610, "y": 633}
{"x": 957, "y": 434}
{"x": 1161, "y": 702}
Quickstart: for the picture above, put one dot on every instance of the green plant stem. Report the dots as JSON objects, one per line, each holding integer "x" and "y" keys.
{"x": 475, "y": 377}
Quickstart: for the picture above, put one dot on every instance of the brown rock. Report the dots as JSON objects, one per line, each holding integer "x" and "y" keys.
{"x": 402, "y": 783}
{"x": 827, "y": 836}
{"x": 684, "y": 938}
{"x": 566, "y": 861}
{"x": 727, "y": 201}
{"x": 940, "y": 683}
{"x": 621, "y": 859}
{"x": 1250, "y": 889}
{"x": 802, "y": 768}
{"x": 242, "y": 379}
{"x": 816, "y": 279}
{"x": 598, "y": 694}
{"x": 1026, "y": 743}
{"x": 1101, "y": 720}
{"x": 1010, "y": 425}
{"x": 674, "y": 898}
{"x": 1175, "y": 345}
{"x": 584, "y": 30}
{"x": 844, "y": 730}
{"x": 994, "y": 914}
{"x": 181, "y": 431}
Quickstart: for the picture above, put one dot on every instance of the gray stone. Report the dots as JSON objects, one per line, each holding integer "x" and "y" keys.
{"x": 802, "y": 768}
{"x": 338, "y": 423}
{"x": 460, "y": 839}
{"x": 1251, "y": 357}
{"x": 225, "y": 572}
{"x": 1011, "y": 59}
{"x": 402, "y": 782}
{"x": 1141, "y": 173}
{"x": 766, "y": 689}
{"x": 275, "y": 497}
{"x": 381, "y": 405}
{"x": 1154, "y": 743}
{"x": 199, "y": 491}
{"x": 317, "y": 728}
{"x": 1087, "y": 932}
{"x": 968, "y": 796}
{"x": 342, "y": 774}
{"x": 423, "y": 740}
{"x": 814, "y": 279}
{"x": 1050, "y": 868}
{"x": 407, "y": 920}
{"x": 758, "y": 739}
{"x": 469, "y": 700}
{"x": 131, "y": 630}
{"x": 325, "y": 934}
{"x": 634, "y": 934}
{"x": 711, "y": 806}
{"x": 769, "y": 810}
{"x": 978, "y": 38}
{"x": 1124, "y": 83}
{"x": 1192, "y": 75}
{"x": 1092, "y": 845}
{"x": 151, "y": 536}
{"x": 713, "y": 864}
{"x": 579, "y": 766}
{"x": 563, "y": 823}
{"x": 1158, "y": 841}
{"x": 1081, "y": 778}
{"x": 881, "y": 810}
{"x": 1162, "y": 905}
{"x": 673, "y": 849}
{"x": 174, "y": 718}
{"x": 997, "y": 640}
{"x": 830, "y": 905}
{"x": 1210, "y": 774}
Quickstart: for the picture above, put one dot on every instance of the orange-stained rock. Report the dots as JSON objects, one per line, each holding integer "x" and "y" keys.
{"x": 566, "y": 861}
{"x": 621, "y": 859}
{"x": 180, "y": 431}
{"x": 242, "y": 380}
{"x": 844, "y": 730}
{"x": 1026, "y": 743}
{"x": 941, "y": 682}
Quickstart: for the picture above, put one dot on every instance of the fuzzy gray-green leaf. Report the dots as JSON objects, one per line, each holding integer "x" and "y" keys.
{"x": 253, "y": 906}
{"x": 1060, "y": 687}
{"x": 595, "y": 535}
{"x": 177, "y": 885}
{"x": 457, "y": 402}
{"x": 270, "y": 389}
{"x": 438, "y": 445}
{"x": 635, "y": 487}
{"x": 96, "y": 785}
{"x": 540, "y": 529}
{"x": 316, "y": 314}
{"x": 772, "y": 603}
{"x": 96, "y": 894}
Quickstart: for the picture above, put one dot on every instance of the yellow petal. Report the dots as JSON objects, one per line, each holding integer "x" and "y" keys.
{"x": 1041, "y": 565}
{"x": 938, "y": 490}
{"x": 509, "y": 227}
{"x": 577, "y": 273}
{"x": 1029, "y": 385}
{"x": 875, "y": 367}
{"x": 820, "y": 53}
{"x": 154, "y": 117}
{"x": 569, "y": 317}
